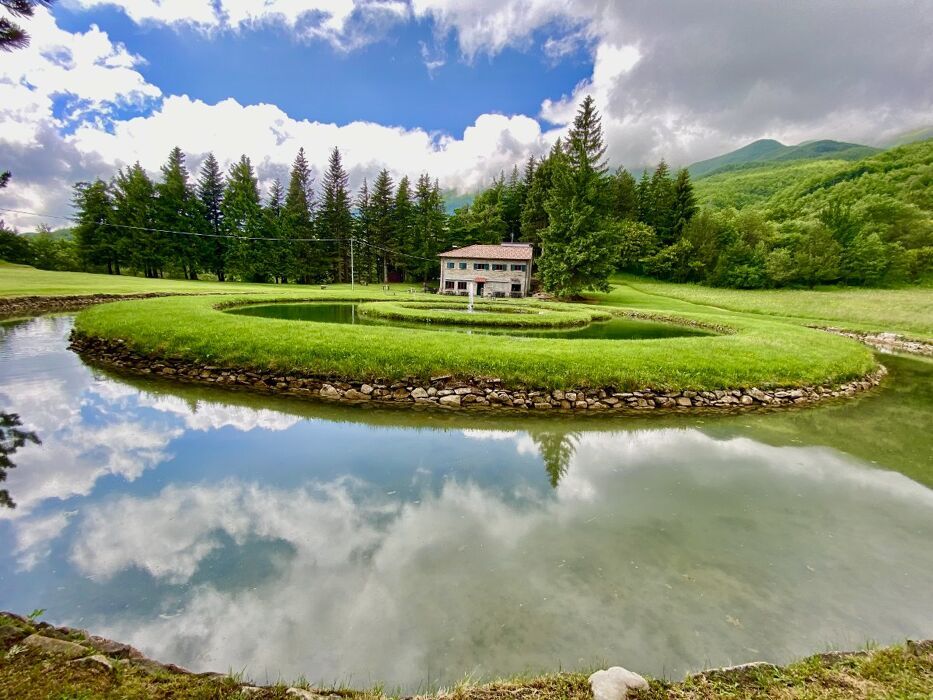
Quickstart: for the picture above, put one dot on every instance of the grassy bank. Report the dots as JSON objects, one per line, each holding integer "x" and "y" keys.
{"x": 501, "y": 315}
{"x": 908, "y": 311}
{"x": 34, "y": 662}
{"x": 760, "y": 352}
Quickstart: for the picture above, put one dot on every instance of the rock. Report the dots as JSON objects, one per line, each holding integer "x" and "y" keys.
{"x": 113, "y": 649}
{"x": 354, "y": 395}
{"x": 614, "y": 683}
{"x": 684, "y": 401}
{"x": 11, "y": 634}
{"x": 367, "y": 388}
{"x": 250, "y": 690}
{"x": 97, "y": 662}
{"x": 463, "y": 390}
{"x": 329, "y": 392}
{"x": 419, "y": 393}
{"x": 301, "y": 693}
{"x": 747, "y": 400}
{"x": 59, "y": 647}
{"x": 450, "y": 400}
{"x": 738, "y": 672}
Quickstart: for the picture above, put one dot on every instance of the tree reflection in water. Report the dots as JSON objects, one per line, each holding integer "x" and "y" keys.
{"x": 11, "y": 439}
{"x": 556, "y": 450}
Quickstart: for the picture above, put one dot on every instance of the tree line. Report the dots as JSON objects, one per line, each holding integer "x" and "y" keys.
{"x": 220, "y": 224}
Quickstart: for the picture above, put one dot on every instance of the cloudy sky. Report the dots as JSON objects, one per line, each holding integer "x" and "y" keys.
{"x": 459, "y": 88}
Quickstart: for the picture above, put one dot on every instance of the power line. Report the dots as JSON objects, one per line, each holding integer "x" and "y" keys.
{"x": 226, "y": 236}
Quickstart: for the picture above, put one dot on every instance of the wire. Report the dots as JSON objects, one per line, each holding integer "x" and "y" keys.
{"x": 224, "y": 235}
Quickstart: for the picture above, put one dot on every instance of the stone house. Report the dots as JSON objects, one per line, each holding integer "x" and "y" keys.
{"x": 490, "y": 270}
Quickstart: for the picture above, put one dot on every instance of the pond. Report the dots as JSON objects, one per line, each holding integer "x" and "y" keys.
{"x": 615, "y": 329}
{"x": 219, "y": 530}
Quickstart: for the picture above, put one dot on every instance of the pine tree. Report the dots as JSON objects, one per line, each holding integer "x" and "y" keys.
{"x": 382, "y": 224}
{"x": 623, "y": 196}
{"x": 511, "y": 201}
{"x": 242, "y": 217}
{"x": 210, "y": 192}
{"x": 534, "y": 213}
{"x": 279, "y": 253}
{"x": 684, "y": 203}
{"x": 308, "y": 258}
{"x": 97, "y": 242}
{"x": 135, "y": 206}
{"x": 177, "y": 210}
{"x": 403, "y": 221}
{"x": 429, "y": 229}
{"x": 364, "y": 254}
{"x": 643, "y": 196}
{"x": 335, "y": 220}
{"x": 661, "y": 195}
{"x": 13, "y": 36}
{"x": 578, "y": 249}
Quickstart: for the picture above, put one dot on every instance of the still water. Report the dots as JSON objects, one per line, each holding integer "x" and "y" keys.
{"x": 615, "y": 329}
{"x": 222, "y": 531}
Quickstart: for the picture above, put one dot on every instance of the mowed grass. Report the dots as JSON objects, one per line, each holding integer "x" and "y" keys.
{"x": 908, "y": 311}
{"x": 504, "y": 314}
{"x": 22, "y": 280}
{"x": 758, "y": 352}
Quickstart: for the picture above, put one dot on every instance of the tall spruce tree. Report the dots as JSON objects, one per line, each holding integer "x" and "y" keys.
{"x": 97, "y": 243}
{"x": 661, "y": 197}
{"x": 242, "y": 219}
{"x": 382, "y": 225}
{"x": 429, "y": 228}
{"x": 365, "y": 254}
{"x": 403, "y": 218}
{"x": 135, "y": 206}
{"x": 308, "y": 258}
{"x": 683, "y": 203}
{"x": 278, "y": 251}
{"x": 534, "y": 213}
{"x": 623, "y": 196}
{"x": 210, "y": 192}
{"x": 335, "y": 221}
{"x": 178, "y": 209}
{"x": 578, "y": 248}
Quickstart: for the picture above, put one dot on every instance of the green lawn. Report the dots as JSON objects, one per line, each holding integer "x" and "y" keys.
{"x": 908, "y": 311}
{"x": 22, "y": 280}
{"x": 760, "y": 352}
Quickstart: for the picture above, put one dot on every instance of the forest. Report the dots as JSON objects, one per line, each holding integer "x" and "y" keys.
{"x": 756, "y": 225}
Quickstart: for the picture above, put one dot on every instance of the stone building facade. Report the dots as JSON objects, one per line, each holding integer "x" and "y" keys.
{"x": 489, "y": 270}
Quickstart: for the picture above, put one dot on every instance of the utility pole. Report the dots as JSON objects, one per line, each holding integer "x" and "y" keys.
{"x": 351, "y": 263}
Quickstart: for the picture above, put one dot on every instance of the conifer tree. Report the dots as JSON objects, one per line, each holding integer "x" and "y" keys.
{"x": 684, "y": 203}
{"x": 177, "y": 210}
{"x": 278, "y": 252}
{"x": 403, "y": 218}
{"x": 335, "y": 220}
{"x": 365, "y": 254}
{"x": 13, "y": 36}
{"x": 97, "y": 242}
{"x": 578, "y": 249}
{"x": 210, "y": 192}
{"x": 623, "y": 196}
{"x": 308, "y": 258}
{"x": 135, "y": 206}
{"x": 382, "y": 225}
{"x": 511, "y": 200}
{"x": 429, "y": 228}
{"x": 242, "y": 219}
{"x": 534, "y": 213}
{"x": 661, "y": 196}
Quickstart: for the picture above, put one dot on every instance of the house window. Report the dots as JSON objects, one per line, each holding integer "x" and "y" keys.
{"x": 480, "y": 266}
{"x": 516, "y": 288}
{"x": 448, "y": 284}
{"x": 450, "y": 266}
{"x": 498, "y": 267}
{"x": 518, "y": 268}
{"x": 463, "y": 266}
{"x": 461, "y": 285}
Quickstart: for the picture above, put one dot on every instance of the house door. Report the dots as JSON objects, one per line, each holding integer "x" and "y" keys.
{"x": 479, "y": 288}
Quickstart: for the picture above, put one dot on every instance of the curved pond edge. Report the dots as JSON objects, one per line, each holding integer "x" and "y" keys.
{"x": 74, "y": 657}
{"x": 449, "y": 392}
{"x": 12, "y": 307}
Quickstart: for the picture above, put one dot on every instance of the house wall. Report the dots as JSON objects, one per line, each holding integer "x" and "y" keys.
{"x": 496, "y": 280}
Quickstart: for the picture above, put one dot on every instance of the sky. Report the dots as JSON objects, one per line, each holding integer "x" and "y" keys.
{"x": 462, "y": 89}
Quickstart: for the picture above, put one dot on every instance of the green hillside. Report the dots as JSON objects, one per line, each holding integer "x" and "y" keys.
{"x": 922, "y": 134}
{"x": 766, "y": 151}
{"x": 745, "y": 187}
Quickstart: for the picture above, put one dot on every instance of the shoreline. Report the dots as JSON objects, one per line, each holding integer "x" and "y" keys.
{"x": 452, "y": 393}
{"x": 61, "y": 658}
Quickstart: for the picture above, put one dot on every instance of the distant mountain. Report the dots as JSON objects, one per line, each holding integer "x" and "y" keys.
{"x": 770, "y": 151}
{"x": 454, "y": 201}
{"x": 57, "y": 234}
{"x": 921, "y": 134}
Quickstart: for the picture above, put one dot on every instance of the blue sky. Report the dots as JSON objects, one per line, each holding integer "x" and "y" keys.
{"x": 460, "y": 89}
{"x": 385, "y": 82}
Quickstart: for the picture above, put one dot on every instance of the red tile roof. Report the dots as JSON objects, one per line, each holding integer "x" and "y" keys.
{"x": 491, "y": 252}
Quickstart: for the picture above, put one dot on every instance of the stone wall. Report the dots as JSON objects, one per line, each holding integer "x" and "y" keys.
{"x": 459, "y": 392}
{"x": 887, "y": 342}
{"x": 30, "y": 306}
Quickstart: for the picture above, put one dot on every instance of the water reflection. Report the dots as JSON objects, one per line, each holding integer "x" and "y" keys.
{"x": 218, "y": 531}
{"x": 12, "y": 438}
